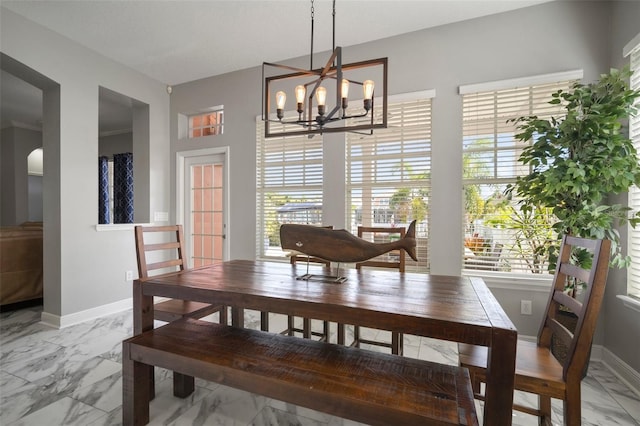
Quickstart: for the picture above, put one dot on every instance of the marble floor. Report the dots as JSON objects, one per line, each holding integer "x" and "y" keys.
{"x": 73, "y": 377}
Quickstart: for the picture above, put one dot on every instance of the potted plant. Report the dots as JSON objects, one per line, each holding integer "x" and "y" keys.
{"x": 580, "y": 159}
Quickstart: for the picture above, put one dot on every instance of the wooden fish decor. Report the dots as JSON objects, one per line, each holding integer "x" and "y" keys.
{"x": 339, "y": 245}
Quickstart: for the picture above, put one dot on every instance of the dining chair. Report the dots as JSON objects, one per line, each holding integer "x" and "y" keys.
{"x": 157, "y": 254}
{"x": 538, "y": 371}
{"x": 395, "y": 260}
{"x": 306, "y": 330}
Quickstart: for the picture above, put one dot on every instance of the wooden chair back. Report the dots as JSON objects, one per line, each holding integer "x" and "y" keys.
{"x": 396, "y": 343}
{"x": 173, "y": 256}
{"x": 306, "y": 330}
{"x": 383, "y": 262}
{"x": 586, "y": 306}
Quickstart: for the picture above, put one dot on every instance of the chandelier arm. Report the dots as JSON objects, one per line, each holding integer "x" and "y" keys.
{"x": 298, "y": 70}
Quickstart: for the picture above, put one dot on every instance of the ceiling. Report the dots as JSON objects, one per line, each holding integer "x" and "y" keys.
{"x": 180, "y": 41}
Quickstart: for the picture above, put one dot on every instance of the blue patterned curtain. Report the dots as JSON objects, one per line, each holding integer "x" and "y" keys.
{"x": 103, "y": 190}
{"x": 123, "y": 188}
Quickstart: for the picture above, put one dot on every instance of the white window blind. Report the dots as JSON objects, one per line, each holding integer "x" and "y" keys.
{"x": 388, "y": 175}
{"x": 633, "y": 273}
{"x": 498, "y": 236}
{"x": 289, "y": 186}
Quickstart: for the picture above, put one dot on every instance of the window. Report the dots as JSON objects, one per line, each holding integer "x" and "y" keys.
{"x": 388, "y": 175}
{"x": 206, "y": 124}
{"x": 633, "y": 272}
{"x": 497, "y": 235}
{"x": 289, "y": 186}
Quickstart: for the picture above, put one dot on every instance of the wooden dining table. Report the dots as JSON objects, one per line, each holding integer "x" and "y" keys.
{"x": 453, "y": 308}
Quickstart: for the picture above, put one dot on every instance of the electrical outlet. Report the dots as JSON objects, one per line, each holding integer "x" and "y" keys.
{"x": 128, "y": 276}
{"x": 525, "y": 307}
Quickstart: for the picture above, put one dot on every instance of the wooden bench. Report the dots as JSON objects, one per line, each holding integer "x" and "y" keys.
{"x": 365, "y": 386}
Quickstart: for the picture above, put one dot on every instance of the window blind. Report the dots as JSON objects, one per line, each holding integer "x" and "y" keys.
{"x": 289, "y": 186}
{"x": 388, "y": 175}
{"x": 633, "y": 272}
{"x": 498, "y": 236}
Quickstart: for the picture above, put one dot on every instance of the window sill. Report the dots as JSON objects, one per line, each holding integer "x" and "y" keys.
{"x": 630, "y": 302}
{"x": 541, "y": 283}
{"x": 119, "y": 226}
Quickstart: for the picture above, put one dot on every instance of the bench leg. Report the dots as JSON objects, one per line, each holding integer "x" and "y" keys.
{"x": 183, "y": 385}
{"x": 135, "y": 389}
{"x": 341, "y": 334}
{"x": 397, "y": 343}
{"x": 223, "y": 315}
{"x": 306, "y": 328}
{"x": 264, "y": 321}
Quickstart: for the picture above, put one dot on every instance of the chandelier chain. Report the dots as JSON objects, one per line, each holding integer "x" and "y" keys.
{"x": 312, "y": 16}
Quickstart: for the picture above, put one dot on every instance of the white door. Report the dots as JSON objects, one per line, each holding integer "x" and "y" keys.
{"x": 204, "y": 203}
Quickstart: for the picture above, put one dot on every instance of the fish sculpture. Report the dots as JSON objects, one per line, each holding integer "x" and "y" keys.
{"x": 339, "y": 245}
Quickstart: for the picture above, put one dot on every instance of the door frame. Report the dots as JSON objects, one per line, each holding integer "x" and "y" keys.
{"x": 181, "y": 159}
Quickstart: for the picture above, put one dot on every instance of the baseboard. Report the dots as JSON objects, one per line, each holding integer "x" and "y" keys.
{"x": 622, "y": 370}
{"x": 58, "y": 321}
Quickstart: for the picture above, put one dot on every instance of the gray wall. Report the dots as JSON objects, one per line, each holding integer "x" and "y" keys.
{"x": 83, "y": 268}
{"x": 115, "y": 144}
{"x": 548, "y": 38}
{"x": 15, "y": 144}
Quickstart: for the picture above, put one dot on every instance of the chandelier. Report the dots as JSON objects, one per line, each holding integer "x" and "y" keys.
{"x": 313, "y": 90}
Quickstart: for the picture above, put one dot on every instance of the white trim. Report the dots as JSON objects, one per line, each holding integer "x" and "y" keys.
{"x": 119, "y": 226}
{"x": 541, "y": 283}
{"x": 115, "y": 132}
{"x": 26, "y": 126}
{"x": 630, "y": 302}
{"x": 412, "y": 96}
{"x": 514, "y": 83}
{"x": 622, "y": 370}
{"x": 57, "y": 321}
{"x": 631, "y": 46}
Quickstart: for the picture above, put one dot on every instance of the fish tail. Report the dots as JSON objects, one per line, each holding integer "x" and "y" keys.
{"x": 410, "y": 238}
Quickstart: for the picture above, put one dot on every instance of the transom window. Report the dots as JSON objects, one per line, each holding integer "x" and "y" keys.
{"x": 206, "y": 124}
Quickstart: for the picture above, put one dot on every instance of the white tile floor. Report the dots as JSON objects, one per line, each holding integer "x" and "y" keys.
{"x": 73, "y": 377}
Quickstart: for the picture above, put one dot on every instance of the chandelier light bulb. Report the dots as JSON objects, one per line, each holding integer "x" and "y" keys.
{"x": 367, "y": 87}
{"x": 300, "y": 92}
{"x": 281, "y": 98}
{"x": 321, "y": 98}
{"x": 344, "y": 90}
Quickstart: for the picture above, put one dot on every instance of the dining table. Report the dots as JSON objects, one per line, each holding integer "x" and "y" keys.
{"x": 453, "y": 308}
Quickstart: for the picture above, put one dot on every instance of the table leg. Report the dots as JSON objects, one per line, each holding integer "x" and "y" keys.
{"x": 237, "y": 317}
{"x": 501, "y": 364}
{"x": 341, "y": 334}
{"x": 143, "y": 321}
